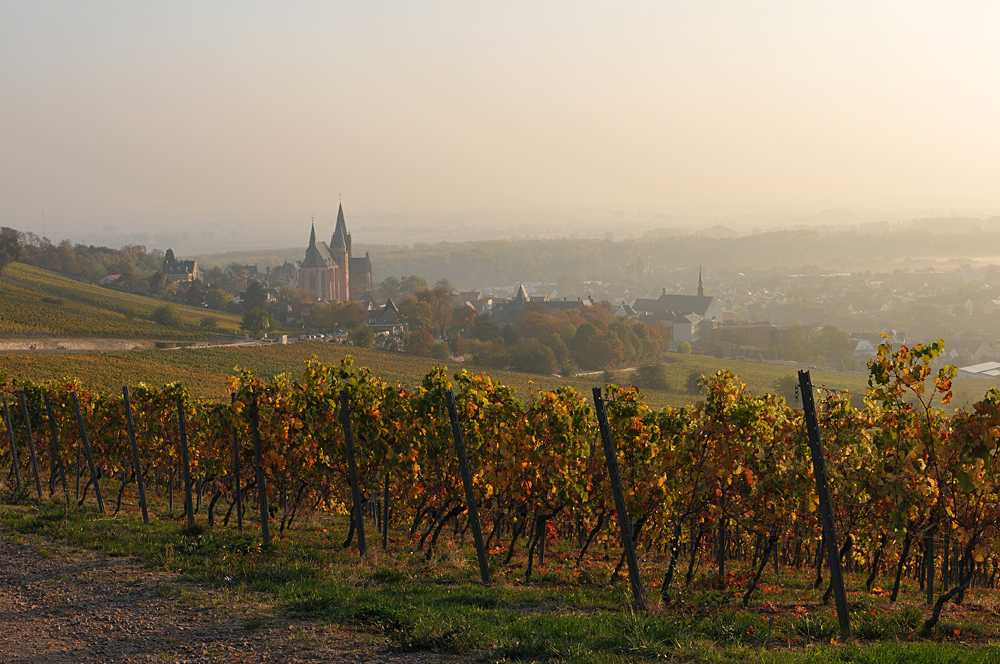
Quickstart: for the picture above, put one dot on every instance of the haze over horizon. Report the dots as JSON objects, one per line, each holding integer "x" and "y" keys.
{"x": 229, "y": 125}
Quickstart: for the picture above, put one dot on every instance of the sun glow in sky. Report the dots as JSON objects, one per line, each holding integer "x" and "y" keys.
{"x": 131, "y": 115}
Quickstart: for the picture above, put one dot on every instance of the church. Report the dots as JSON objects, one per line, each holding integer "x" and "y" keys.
{"x": 329, "y": 272}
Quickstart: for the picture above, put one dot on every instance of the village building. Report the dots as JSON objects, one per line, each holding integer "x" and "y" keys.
{"x": 508, "y": 312}
{"x": 181, "y": 271}
{"x": 692, "y": 317}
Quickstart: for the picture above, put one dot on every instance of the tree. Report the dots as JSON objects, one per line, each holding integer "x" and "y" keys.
{"x": 416, "y": 314}
{"x": 257, "y": 320}
{"x": 10, "y": 247}
{"x": 420, "y": 343}
{"x": 485, "y": 329}
{"x": 195, "y": 295}
{"x": 168, "y": 257}
{"x": 157, "y": 283}
{"x": 167, "y": 315}
{"x": 254, "y": 297}
{"x": 290, "y": 296}
{"x": 441, "y": 351}
{"x": 338, "y": 315}
{"x": 532, "y": 356}
{"x": 463, "y": 317}
{"x": 218, "y": 299}
{"x": 361, "y": 336}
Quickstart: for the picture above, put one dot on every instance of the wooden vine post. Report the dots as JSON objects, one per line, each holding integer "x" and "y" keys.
{"x": 352, "y": 467}
{"x": 31, "y": 443}
{"x": 825, "y": 506}
{"x": 236, "y": 471}
{"x": 136, "y": 462}
{"x": 185, "y": 462}
{"x": 385, "y": 513}
{"x": 88, "y": 452}
{"x": 265, "y": 514}
{"x": 13, "y": 446}
{"x": 624, "y": 521}
{"x": 57, "y": 464}
{"x": 470, "y": 496}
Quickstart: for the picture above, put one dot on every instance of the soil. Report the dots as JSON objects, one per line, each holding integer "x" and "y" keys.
{"x": 59, "y": 603}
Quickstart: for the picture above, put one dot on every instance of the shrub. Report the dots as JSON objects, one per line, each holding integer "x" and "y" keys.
{"x": 167, "y": 316}
{"x": 652, "y": 377}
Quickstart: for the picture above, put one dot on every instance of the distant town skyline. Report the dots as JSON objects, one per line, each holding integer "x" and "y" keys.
{"x": 237, "y": 121}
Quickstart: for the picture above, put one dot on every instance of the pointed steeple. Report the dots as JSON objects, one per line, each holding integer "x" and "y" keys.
{"x": 312, "y": 236}
{"x": 701, "y": 284}
{"x": 341, "y": 238}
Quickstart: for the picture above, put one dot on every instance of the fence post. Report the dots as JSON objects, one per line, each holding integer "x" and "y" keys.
{"x": 385, "y": 513}
{"x": 470, "y": 496}
{"x": 265, "y": 514}
{"x": 13, "y": 446}
{"x": 136, "y": 462}
{"x": 88, "y": 452}
{"x": 624, "y": 521}
{"x": 236, "y": 471}
{"x": 185, "y": 463}
{"x": 825, "y": 506}
{"x": 352, "y": 467}
{"x": 56, "y": 458}
{"x": 31, "y": 443}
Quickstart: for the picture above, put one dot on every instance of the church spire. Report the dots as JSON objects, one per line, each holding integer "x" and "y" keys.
{"x": 701, "y": 284}
{"x": 312, "y": 235}
{"x": 341, "y": 238}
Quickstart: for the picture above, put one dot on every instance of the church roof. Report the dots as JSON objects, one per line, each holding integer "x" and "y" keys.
{"x": 674, "y": 303}
{"x": 318, "y": 253}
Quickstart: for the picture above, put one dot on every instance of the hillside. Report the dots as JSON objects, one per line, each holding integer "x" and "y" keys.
{"x": 36, "y": 302}
{"x": 204, "y": 371}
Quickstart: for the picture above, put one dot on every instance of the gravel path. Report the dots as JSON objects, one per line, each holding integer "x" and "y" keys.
{"x": 63, "y": 604}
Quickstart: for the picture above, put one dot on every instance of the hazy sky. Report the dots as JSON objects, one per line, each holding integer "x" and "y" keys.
{"x": 129, "y": 116}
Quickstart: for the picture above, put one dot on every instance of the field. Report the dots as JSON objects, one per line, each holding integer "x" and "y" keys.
{"x": 36, "y": 302}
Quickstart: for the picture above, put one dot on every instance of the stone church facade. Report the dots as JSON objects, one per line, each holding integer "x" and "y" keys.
{"x": 329, "y": 272}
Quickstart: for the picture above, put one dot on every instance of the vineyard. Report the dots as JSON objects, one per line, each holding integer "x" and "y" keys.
{"x": 716, "y": 494}
{"x": 36, "y": 302}
{"x": 205, "y": 371}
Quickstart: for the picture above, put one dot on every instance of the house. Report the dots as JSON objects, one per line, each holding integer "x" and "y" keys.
{"x": 110, "y": 279}
{"x": 982, "y": 370}
{"x": 509, "y": 311}
{"x": 385, "y": 320}
{"x": 284, "y": 275}
{"x": 181, "y": 271}
{"x": 864, "y": 348}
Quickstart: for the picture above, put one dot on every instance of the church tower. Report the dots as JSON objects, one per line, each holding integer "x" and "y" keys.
{"x": 340, "y": 250}
{"x": 701, "y": 284}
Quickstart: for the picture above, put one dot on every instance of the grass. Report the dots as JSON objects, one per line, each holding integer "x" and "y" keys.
{"x": 37, "y": 302}
{"x": 438, "y": 606}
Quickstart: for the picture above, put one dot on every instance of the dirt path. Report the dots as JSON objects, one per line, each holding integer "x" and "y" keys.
{"x": 63, "y": 604}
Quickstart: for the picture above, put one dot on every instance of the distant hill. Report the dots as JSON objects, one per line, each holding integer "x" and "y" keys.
{"x": 37, "y": 302}
{"x": 881, "y": 247}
